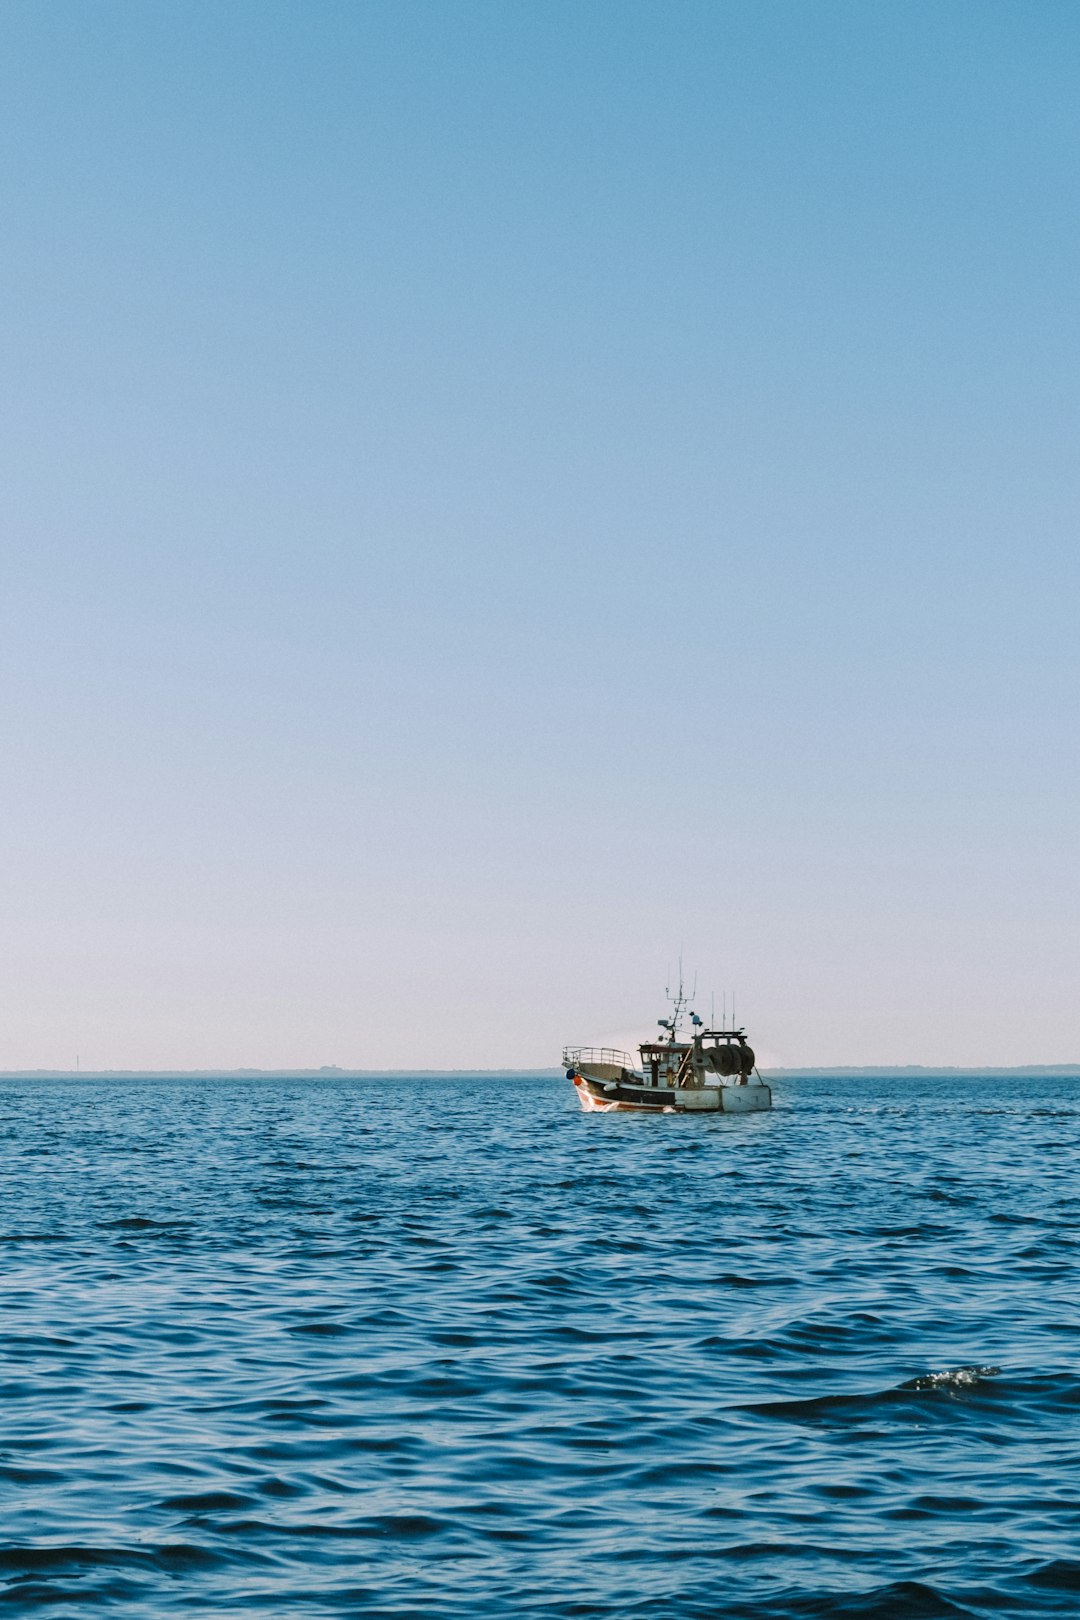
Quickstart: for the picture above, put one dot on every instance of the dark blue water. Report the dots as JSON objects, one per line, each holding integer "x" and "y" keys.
{"x": 453, "y": 1348}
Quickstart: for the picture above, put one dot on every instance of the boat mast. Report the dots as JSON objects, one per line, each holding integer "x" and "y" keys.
{"x": 679, "y": 1002}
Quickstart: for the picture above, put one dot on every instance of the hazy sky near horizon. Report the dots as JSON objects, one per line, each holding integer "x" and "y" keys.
{"x": 494, "y": 495}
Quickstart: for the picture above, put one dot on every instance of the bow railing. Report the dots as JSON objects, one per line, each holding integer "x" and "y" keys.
{"x": 573, "y": 1055}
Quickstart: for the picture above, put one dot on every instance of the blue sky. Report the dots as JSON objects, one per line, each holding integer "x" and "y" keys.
{"x": 495, "y": 495}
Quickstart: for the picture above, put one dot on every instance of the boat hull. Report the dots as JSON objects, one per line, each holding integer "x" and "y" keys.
{"x": 598, "y": 1096}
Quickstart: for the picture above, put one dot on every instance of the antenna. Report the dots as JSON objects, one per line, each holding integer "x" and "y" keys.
{"x": 678, "y": 1001}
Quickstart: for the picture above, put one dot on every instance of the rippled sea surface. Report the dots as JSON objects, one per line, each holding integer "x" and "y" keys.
{"x": 443, "y": 1348}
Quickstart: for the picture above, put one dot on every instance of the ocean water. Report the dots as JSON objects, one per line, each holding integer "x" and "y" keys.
{"x": 442, "y": 1348}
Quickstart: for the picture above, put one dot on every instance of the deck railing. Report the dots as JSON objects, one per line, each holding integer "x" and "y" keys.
{"x": 573, "y": 1055}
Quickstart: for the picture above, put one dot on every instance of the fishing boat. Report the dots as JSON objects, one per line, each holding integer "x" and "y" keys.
{"x": 712, "y": 1071}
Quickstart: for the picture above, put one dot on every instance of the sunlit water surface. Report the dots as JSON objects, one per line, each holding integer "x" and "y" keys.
{"x": 454, "y": 1349}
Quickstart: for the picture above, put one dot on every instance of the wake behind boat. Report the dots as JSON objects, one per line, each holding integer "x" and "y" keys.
{"x": 712, "y": 1071}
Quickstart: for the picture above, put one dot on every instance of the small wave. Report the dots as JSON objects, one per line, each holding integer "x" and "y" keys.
{"x": 207, "y": 1502}
{"x": 953, "y": 1378}
{"x": 734, "y": 1279}
{"x": 1060, "y": 1575}
{"x": 12, "y": 1474}
{"x": 71, "y": 1559}
{"x": 868, "y": 1403}
{"x": 142, "y": 1223}
{"x": 35, "y": 1341}
{"x": 34, "y": 1237}
{"x": 901, "y": 1600}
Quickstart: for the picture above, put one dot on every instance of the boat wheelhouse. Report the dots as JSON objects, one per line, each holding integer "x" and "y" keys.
{"x": 714, "y": 1071}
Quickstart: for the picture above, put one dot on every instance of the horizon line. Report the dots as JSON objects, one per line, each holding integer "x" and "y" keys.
{"x": 335, "y": 1071}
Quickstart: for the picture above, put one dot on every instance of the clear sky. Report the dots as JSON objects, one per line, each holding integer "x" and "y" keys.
{"x": 494, "y": 495}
